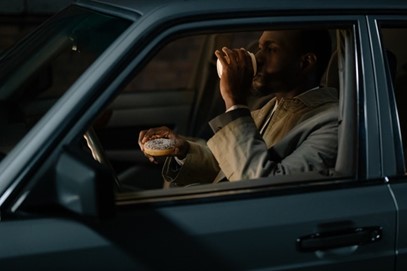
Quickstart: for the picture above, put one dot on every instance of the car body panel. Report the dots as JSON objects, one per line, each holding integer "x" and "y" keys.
{"x": 257, "y": 238}
{"x": 58, "y": 244}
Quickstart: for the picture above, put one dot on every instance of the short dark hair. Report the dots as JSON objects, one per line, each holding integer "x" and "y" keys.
{"x": 317, "y": 41}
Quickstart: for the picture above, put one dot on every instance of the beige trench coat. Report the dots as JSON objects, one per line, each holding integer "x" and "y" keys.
{"x": 301, "y": 136}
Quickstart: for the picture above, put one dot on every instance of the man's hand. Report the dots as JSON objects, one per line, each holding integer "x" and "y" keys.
{"x": 237, "y": 75}
{"x": 181, "y": 145}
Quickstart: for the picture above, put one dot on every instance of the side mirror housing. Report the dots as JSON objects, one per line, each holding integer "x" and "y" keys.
{"x": 83, "y": 185}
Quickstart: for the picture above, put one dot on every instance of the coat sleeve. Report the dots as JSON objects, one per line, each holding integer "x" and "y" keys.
{"x": 199, "y": 167}
{"x": 242, "y": 153}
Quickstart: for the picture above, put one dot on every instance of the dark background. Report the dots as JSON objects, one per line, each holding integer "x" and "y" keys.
{"x": 19, "y": 17}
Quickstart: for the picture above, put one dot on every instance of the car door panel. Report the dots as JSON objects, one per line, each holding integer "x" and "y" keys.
{"x": 261, "y": 234}
{"x": 58, "y": 244}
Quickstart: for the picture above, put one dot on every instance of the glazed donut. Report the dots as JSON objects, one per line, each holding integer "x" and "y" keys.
{"x": 159, "y": 147}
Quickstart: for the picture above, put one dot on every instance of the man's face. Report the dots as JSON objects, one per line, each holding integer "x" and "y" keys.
{"x": 279, "y": 64}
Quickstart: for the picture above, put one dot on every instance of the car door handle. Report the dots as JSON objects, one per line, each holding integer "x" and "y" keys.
{"x": 340, "y": 238}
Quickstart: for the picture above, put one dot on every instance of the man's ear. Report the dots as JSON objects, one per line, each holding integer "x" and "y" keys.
{"x": 308, "y": 61}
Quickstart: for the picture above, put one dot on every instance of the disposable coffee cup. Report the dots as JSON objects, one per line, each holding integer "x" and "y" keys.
{"x": 219, "y": 66}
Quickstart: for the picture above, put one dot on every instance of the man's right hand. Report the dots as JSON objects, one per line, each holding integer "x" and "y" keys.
{"x": 181, "y": 145}
{"x": 237, "y": 75}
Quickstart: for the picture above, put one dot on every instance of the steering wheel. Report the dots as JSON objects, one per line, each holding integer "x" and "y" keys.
{"x": 98, "y": 154}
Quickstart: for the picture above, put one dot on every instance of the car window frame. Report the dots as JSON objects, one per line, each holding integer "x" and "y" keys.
{"x": 394, "y": 161}
{"x": 249, "y": 186}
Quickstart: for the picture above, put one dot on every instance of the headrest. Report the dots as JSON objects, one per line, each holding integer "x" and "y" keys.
{"x": 331, "y": 75}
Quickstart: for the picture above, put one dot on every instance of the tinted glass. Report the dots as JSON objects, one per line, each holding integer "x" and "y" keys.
{"x": 394, "y": 47}
{"x": 40, "y": 68}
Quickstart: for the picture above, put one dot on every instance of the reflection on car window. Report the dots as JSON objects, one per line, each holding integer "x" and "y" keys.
{"x": 36, "y": 72}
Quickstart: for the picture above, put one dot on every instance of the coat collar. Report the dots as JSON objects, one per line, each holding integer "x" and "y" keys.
{"x": 310, "y": 98}
{"x": 318, "y": 96}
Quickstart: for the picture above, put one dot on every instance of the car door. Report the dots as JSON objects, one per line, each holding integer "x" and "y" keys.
{"x": 330, "y": 228}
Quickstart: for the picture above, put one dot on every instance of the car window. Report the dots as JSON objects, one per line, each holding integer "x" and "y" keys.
{"x": 40, "y": 68}
{"x": 394, "y": 45}
{"x": 153, "y": 99}
{"x": 112, "y": 137}
{"x": 169, "y": 89}
{"x": 12, "y": 31}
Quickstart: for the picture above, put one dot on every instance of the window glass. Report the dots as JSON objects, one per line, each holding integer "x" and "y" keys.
{"x": 395, "y": 44}
{"x": 40, "y": 68}
{"x": 12, "y": 30}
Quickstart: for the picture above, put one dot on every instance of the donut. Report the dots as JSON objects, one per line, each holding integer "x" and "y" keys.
{"x": 159, "y": 147}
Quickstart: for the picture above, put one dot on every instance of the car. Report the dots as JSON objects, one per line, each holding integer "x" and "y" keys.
{"x": 76, "y": 192}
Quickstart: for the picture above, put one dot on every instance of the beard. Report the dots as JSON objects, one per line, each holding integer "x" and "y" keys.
{"x": 265, "y": 84}
{"x": 262, "y": 85}
{"x": 259, "y": 87}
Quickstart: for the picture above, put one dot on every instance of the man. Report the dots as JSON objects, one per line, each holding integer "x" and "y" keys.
{"x": 296, "y": 131}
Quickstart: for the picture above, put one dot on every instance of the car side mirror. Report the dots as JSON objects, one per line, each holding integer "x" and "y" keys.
{"x": 83, "y": 185}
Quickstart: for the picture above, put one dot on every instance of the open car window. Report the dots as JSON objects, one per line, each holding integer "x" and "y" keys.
{"x": 179, "y": 88}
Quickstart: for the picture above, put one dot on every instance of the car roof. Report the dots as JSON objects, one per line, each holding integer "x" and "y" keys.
{"x": 143, "y": 7}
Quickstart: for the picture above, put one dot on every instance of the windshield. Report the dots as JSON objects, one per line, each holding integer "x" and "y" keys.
{"x": 40, "y": 68}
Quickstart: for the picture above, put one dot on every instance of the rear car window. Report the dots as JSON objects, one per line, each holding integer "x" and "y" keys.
{"x": 394, "y": 51}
